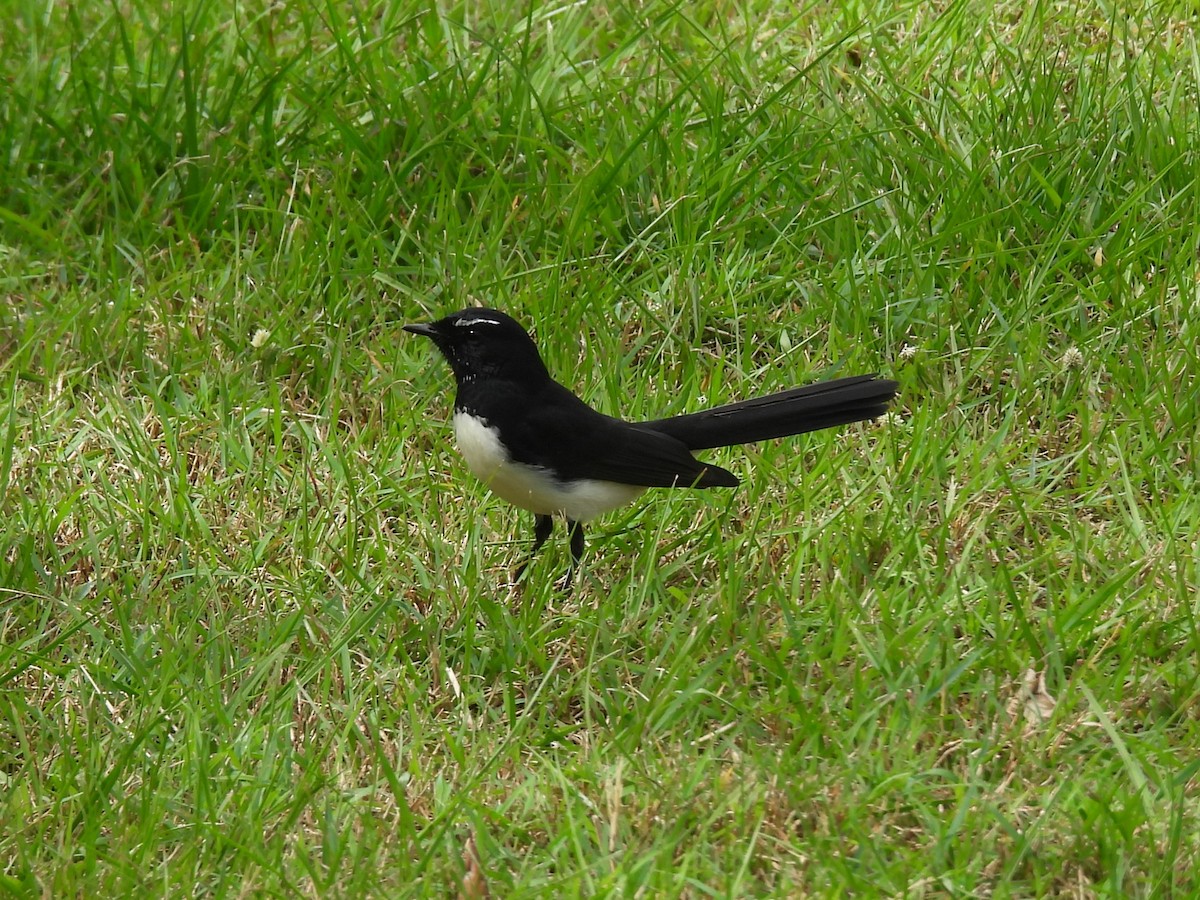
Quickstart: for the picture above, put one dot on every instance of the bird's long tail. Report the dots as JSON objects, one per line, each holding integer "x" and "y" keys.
{"x": 802, "y": 409}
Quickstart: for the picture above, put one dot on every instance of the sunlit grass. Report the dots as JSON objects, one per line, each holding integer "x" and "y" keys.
{"x": 256, "y": 629}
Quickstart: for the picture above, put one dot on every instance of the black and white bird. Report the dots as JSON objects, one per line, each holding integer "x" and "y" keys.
{"x": 538, "y": 446}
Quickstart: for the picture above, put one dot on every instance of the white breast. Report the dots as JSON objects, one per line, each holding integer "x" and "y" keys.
{"x": 531, "y": 487}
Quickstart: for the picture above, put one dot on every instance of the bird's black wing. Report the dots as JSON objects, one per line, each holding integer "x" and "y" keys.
{"x": 557, "y": 431}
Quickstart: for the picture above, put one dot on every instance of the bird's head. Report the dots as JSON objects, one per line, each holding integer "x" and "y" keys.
{"x": 482, "y": 342}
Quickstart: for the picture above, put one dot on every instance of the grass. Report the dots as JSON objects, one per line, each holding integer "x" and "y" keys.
{"x": 256, "y": 634}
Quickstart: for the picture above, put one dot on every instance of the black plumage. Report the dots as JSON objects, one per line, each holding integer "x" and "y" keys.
{"x": 539, "y": 446}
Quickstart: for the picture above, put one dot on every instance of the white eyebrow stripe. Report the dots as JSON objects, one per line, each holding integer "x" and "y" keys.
{"x": 464, "y": 323}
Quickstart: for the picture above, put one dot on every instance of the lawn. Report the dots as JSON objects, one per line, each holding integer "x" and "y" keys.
{"x": 257, "y": 630}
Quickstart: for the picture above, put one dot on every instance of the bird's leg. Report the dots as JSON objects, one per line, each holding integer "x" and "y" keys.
{"x": 542, "y": 526}
{"x": 575, "y": 529}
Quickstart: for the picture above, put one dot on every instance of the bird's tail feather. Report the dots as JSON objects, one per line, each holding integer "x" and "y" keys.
{"x": 795, "y": 411}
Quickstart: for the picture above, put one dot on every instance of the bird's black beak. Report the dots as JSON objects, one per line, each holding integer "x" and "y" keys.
{"x": 422, "y": 328}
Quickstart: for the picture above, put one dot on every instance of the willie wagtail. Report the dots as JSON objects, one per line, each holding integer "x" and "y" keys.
{"x": 540, "y": 447}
